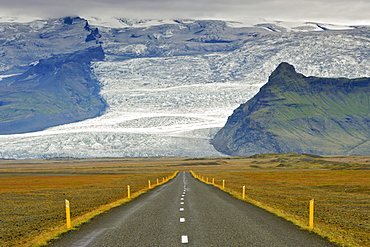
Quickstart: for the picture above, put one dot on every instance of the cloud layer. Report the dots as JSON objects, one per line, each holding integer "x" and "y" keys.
{"x": 335, "y": 11}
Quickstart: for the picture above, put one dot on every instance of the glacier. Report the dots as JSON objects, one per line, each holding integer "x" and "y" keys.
{"x": 168, "y": 99}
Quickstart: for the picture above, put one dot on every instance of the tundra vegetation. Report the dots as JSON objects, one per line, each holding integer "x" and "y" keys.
{"x": 32, "y": 192}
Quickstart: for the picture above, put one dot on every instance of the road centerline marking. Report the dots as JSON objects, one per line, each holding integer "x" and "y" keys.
{"x": 182, "y": 209}
{"x": 184, "y": 239}
{"x": 182, "y": 219}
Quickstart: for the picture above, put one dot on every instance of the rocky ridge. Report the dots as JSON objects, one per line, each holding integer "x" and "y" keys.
{"x": 55, "y": 91}
{"x": 295, "y": 113}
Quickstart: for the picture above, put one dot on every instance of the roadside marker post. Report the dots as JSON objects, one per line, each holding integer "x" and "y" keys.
{"x": 207, "y": 180}
{"x": 149, "y": 184}
{"x": 68, "y": 214}
{"x": 213, "y": 181}
{"x": 243, "y": 195}
{"x": 157, "y": 181}
{"x": 311, "y": 220}
{"x": 128, "y": 192}
{"x": 223, "y": 184}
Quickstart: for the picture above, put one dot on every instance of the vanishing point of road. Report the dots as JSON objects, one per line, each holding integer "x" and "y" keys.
{"x": 187, "y": 212}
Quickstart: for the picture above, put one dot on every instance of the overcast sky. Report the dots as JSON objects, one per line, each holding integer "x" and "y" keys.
{"x": 331, "y": 11}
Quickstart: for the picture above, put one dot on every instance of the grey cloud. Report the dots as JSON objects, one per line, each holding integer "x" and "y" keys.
{"x": 313, "y": 10}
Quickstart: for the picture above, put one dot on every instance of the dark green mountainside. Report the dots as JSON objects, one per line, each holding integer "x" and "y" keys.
{"x": 294, "y": 113}
{"x": 57, "y": 90}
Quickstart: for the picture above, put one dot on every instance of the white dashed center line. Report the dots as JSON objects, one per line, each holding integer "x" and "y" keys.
{"x": 184, "y": 239}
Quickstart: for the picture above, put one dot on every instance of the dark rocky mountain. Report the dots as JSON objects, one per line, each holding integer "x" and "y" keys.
{"x": 57, "y": 90}
{"x": 295, "y": 113}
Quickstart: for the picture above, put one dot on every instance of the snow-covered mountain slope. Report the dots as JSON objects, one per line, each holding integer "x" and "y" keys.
{"x": 25, "y": 43}
{"x": 172, "y": 85}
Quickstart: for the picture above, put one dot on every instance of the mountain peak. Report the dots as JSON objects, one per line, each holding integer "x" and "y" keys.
{"x": 284, "y": 78}
{"x": 285, "y": 67}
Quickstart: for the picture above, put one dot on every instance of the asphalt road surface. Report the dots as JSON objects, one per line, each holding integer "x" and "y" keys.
{"x": 186, "y": 212}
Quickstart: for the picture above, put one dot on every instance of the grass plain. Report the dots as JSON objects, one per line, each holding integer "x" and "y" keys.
{"x": 32, "y": 192}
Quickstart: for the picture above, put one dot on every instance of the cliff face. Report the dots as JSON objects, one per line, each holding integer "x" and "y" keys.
{"x": 58, "y": 90}
{"x": 294, "y": 113}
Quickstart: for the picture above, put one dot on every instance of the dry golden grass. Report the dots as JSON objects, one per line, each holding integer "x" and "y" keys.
{"x": 341, "y": 198}
{"x": 32, "y": 203}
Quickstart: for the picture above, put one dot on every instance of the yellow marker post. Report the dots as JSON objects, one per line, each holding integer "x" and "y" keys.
{"x": 68, "y": 214}
{"x": 128, "y": 192}
{"x": 223, "y": 184}
{"x": 243, "y": 196}
{"x": 207, "y": 180}
{"x": 149, "y": 186}
{"x": 311, "y": 213}
{"x": 163, "y": 180}
{"x": 157, "y": 181}
{"x": 213, "y": 181}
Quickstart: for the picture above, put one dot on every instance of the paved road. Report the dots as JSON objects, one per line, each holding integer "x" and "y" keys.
{"x": 186, "y": 212}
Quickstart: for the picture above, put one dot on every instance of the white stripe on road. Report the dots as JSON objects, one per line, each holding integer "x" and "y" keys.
{"x": 181, "y": 203}
{"x": 182, "y": 219}
{"x": 184, "y": 239}
{"x": 85, "y": 241}
{"x": 182, "y": 209}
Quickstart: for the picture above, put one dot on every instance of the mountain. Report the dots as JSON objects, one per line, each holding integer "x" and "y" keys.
{"x": 295, "y": 113}
{"x": 163, "y": 88}
{"x": 55, "y": 91}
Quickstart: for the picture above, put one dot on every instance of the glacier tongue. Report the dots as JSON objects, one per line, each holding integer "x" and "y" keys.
{"x": 157, "y": 107}
{"x": 159, "y": 122}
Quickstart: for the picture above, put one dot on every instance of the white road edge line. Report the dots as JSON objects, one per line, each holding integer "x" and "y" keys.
{"x": 184, "y": 239}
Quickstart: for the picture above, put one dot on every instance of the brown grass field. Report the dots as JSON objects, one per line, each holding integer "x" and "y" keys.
{"x": 32, "y": 192}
